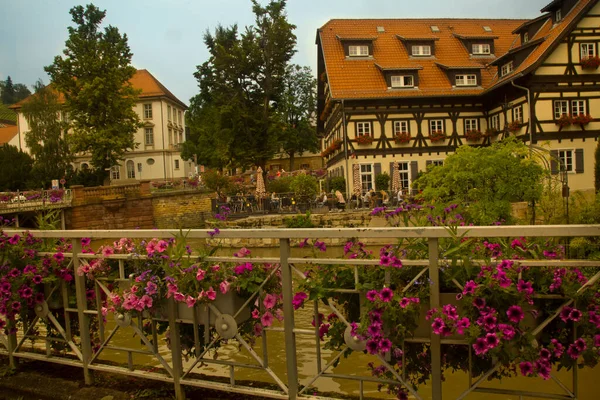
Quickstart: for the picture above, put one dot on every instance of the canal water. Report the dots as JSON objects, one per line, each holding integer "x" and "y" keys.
{"x": 356, "y": 364}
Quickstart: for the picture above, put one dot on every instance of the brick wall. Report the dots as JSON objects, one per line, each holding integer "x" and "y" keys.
{"x": 135, "y": 208}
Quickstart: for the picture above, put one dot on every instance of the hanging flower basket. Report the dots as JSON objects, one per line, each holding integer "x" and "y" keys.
{"x": 473, "y": 135}
{"x": 514, "y": 126}
{"x": 564, "y": 121}
{"x": 401, "y": 138}
{"x": 437, "y": 136}
{"x": 364, "y": 139}
{"x": 590, "y": 63}
{"x": 581, "y": 119}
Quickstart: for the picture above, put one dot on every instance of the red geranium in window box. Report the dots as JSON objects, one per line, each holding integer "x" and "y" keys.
{"x": 364, "y": 139}
{"x": 473, "y": 135}
{"x": 564, "y": 121}
{"x": 437, "y": 136}
{"x": 402, "y": 137}
{"x": 581, "y": 119}
{"x": 590, "y": 63}
{"x": 514, "y": 126}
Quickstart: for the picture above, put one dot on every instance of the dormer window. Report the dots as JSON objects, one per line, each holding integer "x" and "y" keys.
{"x": 402, "y": 81}
{"x": 435, "y": 29}
{"x": 481, "y": 49}
{"x": 466, "y": 80}
{"x": 506, "y": 69}
{"x": 526, "y": 37}
{"x": 358, "y": 51}
{"x": 421, "y": 51}
{"x": 558, "y": 15}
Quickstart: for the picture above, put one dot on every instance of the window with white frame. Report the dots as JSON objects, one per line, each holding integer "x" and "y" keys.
{"x": 404, "y": 170}
{"x": 358, "y": 51}
{"x": 436, "y": 125}
{"x": 402, "y": 81}
{"x": 588, "y": 50}
{"x": 400, "y": 127}
{"x": 148, "y": 111}
{"x": 495, "y": 122}
{"x": 366, "y": 174}
{"x": 471, "y": 124}
{"x": 115, "y": 172}
{"x": 176, "y": 164}
{"x": 567, "y": 160}
{"x": 518, "y": 113}
{"x": 526, "y": 37}
{"x": 421, "y": 50}
{"x": 149, "y": 137}
{"x": 130, "y": 170}
{"x": 578, "y": 107}
{"x": 506, "y": 69}
{"x": 466, "y": 80}
{"x": 481, "y": 48}
{"x": 168, "y": 113}
{"x": 363, "y": 129}
{"x": 558, "y": 15}
{"x": 561, "y": 107}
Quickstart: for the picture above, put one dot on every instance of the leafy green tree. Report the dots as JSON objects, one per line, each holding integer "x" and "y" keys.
{"x": 46, "y": 137}
{"x": 297, "y": 109}
{"x": 240, "y": 85}
{"x": 488, "y": 179}
{"x": 304, "y": 186}
{"x": 94, "y": 76}
{"x": 16, "y": 168}
{"x": 382, "y": 181}
{"x": 12, "y": 93}
{"x": 337, "y": 183}
{"x": 217, "y": 182}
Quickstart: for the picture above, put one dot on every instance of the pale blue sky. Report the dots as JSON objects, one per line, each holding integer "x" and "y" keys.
{"x": 165, "y": 36}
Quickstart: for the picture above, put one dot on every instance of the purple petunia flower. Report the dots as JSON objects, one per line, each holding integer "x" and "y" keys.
{"x": 469, "y": 288}
{"x": 320, "y": 245}
{"x": 385, "y": 345}
{"x": 479, "y": 302}
{"x": 299, "y": 299}
{"x": 480, "y": 346}
{"x": 373, "y": 295}
{"x": 526, "y": 368}
{"x": 372, "y": 346}
{"x": 515, "y": 314}
{"x": 386, "y": 295}
{"x": 491, "y": 340}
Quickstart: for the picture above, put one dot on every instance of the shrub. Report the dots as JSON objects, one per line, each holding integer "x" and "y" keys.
{"x": 337, "y": 183}
{"x": 382, "y": 181}
{"x": 300, "y": 221}
{"x": 304, "y": 186}
{"x": 280, "y": 185}
{"x": 213, "y": 180}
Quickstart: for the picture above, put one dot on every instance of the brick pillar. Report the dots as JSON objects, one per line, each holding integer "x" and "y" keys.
{"x": 145, "y": 187}
{"x": 77, "y": 194}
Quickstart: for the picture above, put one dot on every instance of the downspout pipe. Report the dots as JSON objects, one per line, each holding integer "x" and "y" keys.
{"x": 346, "y": 178}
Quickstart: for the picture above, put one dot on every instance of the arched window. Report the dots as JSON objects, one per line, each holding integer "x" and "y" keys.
{"x": 130, "y": 170}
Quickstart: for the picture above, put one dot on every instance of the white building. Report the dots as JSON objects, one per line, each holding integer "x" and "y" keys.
{"x": 158, "y": 155}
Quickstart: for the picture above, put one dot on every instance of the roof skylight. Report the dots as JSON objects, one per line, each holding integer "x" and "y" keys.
{"x": 487, "y": 28}
{"x": 434, "y": 28}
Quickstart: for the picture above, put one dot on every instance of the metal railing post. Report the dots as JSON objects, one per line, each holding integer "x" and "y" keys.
{"x": 84, "y": 320}
{"x": 434, "y": 299}
{"x": 288, "y": 321}
{"x": 175, "y": 349}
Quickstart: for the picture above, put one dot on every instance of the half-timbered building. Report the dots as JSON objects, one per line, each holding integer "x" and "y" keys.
{"x": 413, "y": 90}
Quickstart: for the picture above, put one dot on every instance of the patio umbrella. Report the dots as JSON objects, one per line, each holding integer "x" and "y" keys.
{"x": 395, "y": 178}
{"x": 260, "y": 183}
{"x": 356, "y": 181}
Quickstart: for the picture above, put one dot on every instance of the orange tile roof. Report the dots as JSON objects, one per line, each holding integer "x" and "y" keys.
{"x": 7, "y": 133}
{"x": 362, "y": 78}
{"x": 144, "y": 80}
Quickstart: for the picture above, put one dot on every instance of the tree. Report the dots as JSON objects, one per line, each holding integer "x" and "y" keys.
{"x": 215, "y": 181}
{"x": 239, "y": 87}
{"x": 46, "y": 136}
{"x": 94, "y": 76}
{"x": 297, "y": 109}
{"x": 12, "y": 93}
{"x": 15, "y": 166}
{"x": 488, "y": 179}
{"x": 8, "y": 91}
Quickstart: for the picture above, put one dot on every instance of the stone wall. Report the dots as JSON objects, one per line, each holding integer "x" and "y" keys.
{"x": 134, "y": 207}
{"x": 181, "y": 210}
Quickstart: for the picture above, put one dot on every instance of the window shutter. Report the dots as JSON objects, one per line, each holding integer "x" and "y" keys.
{"x": 579, "y": 161}
{"x": 554, "y": 162}
{"x": 414, "y": 171}
{"x": 377, "y": 169}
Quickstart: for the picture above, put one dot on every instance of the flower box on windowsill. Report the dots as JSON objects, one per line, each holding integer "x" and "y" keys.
{"x": 564, "y": 121}
{"x": 581, "y": 119}
{"x": 514, "y": 126}
{"x": 590, "y": 63}
{"x": 402, "y": 138}
{"x": 437, "y": 136}
{"x": 364, "y": 140}
{"x": 473, "y": 135}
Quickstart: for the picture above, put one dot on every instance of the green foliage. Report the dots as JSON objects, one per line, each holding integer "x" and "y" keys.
{"x": 304, "y": 186}
{"x": 296, "y": 108}
{"x": 16, "y": 168}
{"x": 597, "y": 168}
{"x": 487, "y": 178}
{"x": 45, "y": 139}
{"x": 300, "y": 221}
{"x": 12, "y": 93}
{"x": 101, "y": 100}
{"x": 216, "y": 182}
{"x": 382, "y": 181}
{"x": 280, "y": 185}
{"x": 234, "y": 119}
{"x": 87, "y": 177}
{"x": 337, "y": 183}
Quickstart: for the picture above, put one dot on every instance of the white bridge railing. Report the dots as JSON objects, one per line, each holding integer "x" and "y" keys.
{"x": 289, "y": 383}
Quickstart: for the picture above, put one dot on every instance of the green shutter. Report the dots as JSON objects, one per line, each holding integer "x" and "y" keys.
{"x": 579, "y": 161}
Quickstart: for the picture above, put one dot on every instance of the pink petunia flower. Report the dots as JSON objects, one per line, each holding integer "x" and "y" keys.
{"x": 270, "y": 301}
{"x": 267, "y": 319}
